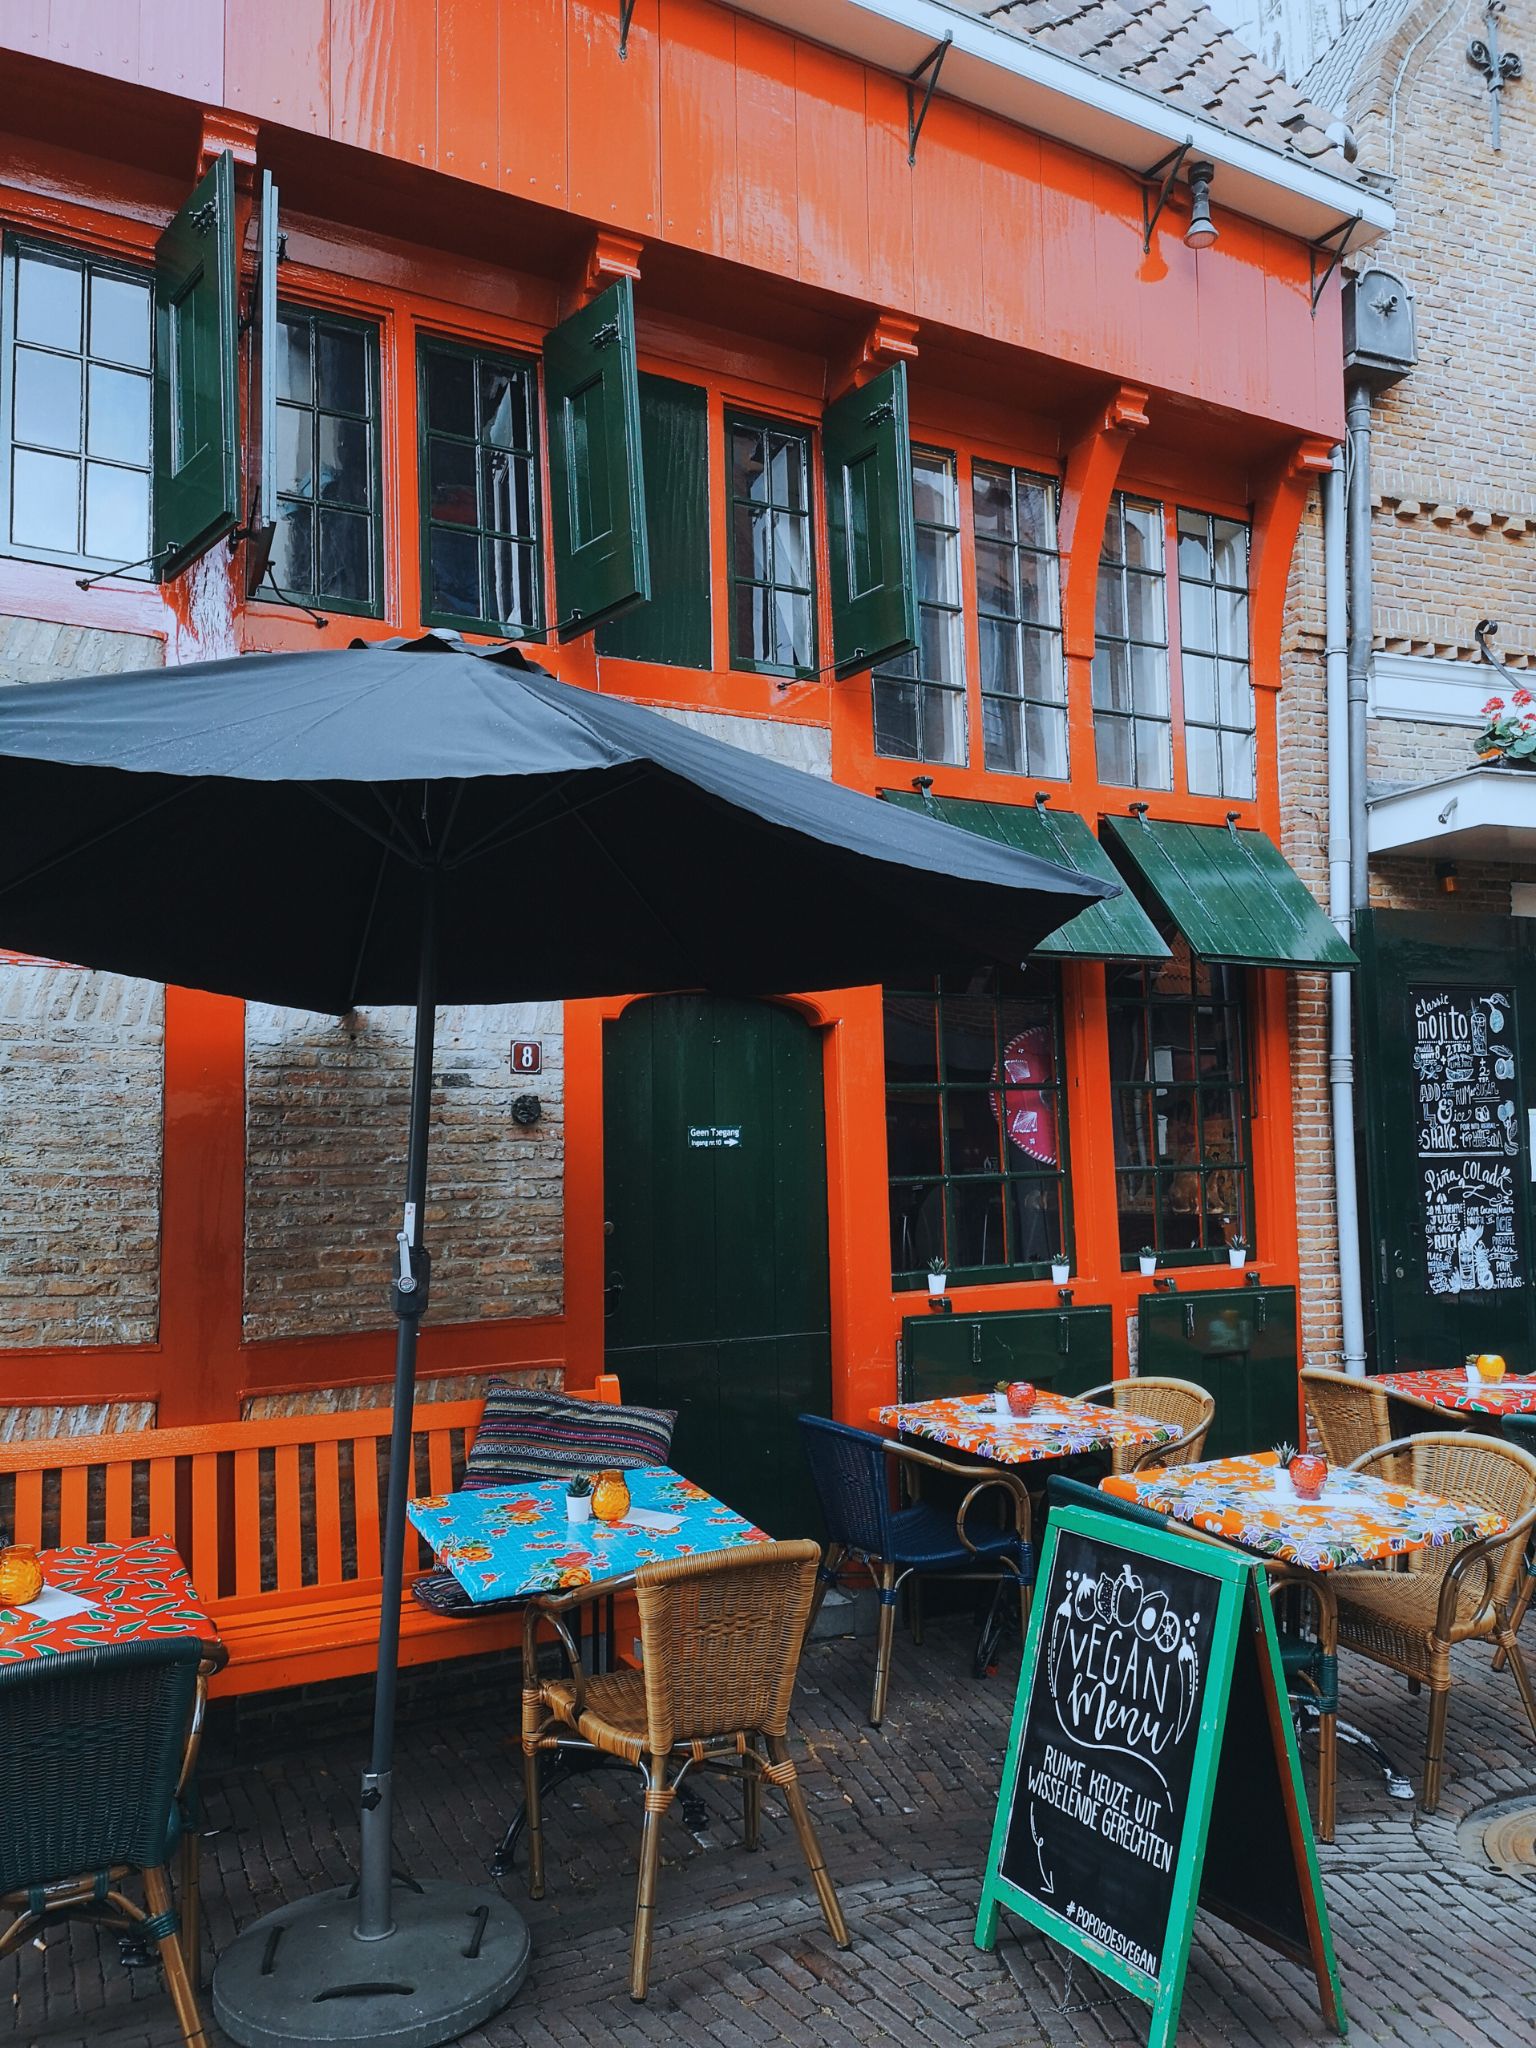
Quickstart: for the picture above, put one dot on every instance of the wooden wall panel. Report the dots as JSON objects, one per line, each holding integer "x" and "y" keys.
{"x": 533, "y": 124}
{"x": 383, "y": 83}
{"x": 468, "y": 89}
{"x": 698, "y": 126}
{"x": 946, "y": 216}
{"x": 832, "y": 171}
{"x": 1011, "y": 259}
{"x": 768, "y": 219}
{"x": 614, "y": 116}
{"x": 892, "y": 264}
{"x": 277, "y": 62}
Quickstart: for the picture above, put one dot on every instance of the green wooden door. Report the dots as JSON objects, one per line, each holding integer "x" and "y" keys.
{"x": 716, "y": 1193}
{"x": 1239, "y": 1343}
{"x": 1064, "y": 1350}
{"x": 1448, "y": 1012}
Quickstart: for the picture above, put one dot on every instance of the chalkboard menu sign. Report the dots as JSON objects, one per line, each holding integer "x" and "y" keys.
{"x": 1109, "y": 1742}
{"x": 1129, "y": 1793}
{"x": 1467, "y": 1112}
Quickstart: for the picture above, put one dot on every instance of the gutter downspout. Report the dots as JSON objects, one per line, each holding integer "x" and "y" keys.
{"x": 1337, "y": 589}
{"x": 1361, "y": 598}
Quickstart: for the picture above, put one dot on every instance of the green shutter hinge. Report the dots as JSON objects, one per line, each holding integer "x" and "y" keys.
{"x": 933, "y": 64}
{"x": 205, "y": 217}
{"x": 606, "y": 335}
{"x": 882, "y": 415}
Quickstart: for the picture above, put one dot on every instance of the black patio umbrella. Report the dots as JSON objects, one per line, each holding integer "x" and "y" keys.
{"x": 336, "y": 828}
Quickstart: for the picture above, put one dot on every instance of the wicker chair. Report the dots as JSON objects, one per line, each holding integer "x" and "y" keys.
{"x": 1190, "y": 1408}
{"x": 1410, "y": 1620}
{"x": 1353, "y": 1416}
{"x": 1521, "y": 1430}
{"x": 720, "y": 1644}
{"x": 851, "y": 1469}
{"x": 96, "y": 1749}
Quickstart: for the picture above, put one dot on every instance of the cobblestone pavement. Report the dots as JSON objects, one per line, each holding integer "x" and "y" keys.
{"x": 1435, "y": 1946}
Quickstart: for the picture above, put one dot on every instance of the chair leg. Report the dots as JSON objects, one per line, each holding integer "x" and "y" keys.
{"x": 751, "y": 1797}
{"x": 157, "y": 1891}
{"x": 1518, "y": 1666}
{"x": 189, "y": 1882}
{"x": 831, "y": 1565}
{"x": 1434, "y": 1747}
{"x": 658, "y": 1798}
{"x": 915, "y": 1609}
{"x": 533, "y": 1809}
{"x": 21, "y": 1929}
{"x": 1517, "y": 1615}
{"x": 884, "y": 1641}
{"x": 782, "y": 1773}
{"x": 1327, "y": 1773}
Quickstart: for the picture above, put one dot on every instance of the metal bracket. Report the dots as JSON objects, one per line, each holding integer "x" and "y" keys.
{"x": 606, "y": 335}
{"x": 1167, "y": 168}
{"x": 933, "y": 64}
{"x": 626, "y": 16}
{"x": 1500, "y": 68}
{"x": 1343, "y": 234}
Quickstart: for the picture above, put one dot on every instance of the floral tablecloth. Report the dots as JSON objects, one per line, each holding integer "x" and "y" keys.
{"x": 508, "y": 1541}
{"x": 1515, "y": 1394}
{"x": 136, "y": 1590}
{"x": 1359, "y": 1520}
{"x": 1055, "y": 1427}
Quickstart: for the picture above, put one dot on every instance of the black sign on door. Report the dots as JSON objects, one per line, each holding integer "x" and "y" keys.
{"x": 1468, "y": 1138}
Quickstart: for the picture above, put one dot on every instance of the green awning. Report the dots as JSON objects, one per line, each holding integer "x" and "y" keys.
{"x": 1115, "y": 929}
{"x": 1233, "y": 894}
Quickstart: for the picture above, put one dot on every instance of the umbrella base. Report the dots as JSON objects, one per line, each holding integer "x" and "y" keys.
{"x": 300, "y": 1978}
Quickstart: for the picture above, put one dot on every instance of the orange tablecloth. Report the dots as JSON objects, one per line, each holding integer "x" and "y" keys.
{"x": 1055, "y": 1428}
{"x": 136, "y": 1590}
{"x": 1515, "y": 1394}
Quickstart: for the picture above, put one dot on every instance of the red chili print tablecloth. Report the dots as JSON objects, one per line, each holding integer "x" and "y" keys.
{"x": 1054, "y": 1428}
{"x": 136, "y": 1590}
{"x": 1515, "y": 1394}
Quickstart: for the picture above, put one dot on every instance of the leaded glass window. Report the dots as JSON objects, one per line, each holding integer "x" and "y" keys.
{"x": 1132, "y": 715}
{"x": 920, "y": 697}
{"x": 1219, "y": 721}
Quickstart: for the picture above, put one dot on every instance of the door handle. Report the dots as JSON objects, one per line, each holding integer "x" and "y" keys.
{"x": 976, "y": 1344}
{"x": 613, "y": 1287}
{"x": 1064, "y": 1334}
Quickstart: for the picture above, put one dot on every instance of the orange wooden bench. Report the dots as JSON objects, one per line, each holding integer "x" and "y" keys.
{"x": 278, "y": 1523}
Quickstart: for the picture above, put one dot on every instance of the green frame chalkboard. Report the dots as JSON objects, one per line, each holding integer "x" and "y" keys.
{"x": 1243, "y": 1625}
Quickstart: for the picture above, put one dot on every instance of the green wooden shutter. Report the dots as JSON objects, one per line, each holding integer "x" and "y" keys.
{"x": 674, "y": 626}
{"x": 868, "y": 460}
{"x": 596, "y": 471}
{"x": 197, "y": 454}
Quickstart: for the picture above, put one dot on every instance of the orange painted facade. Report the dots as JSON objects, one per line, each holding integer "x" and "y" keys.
{"x": 468, "y": 169}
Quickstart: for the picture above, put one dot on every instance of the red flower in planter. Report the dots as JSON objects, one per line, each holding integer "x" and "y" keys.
{"x": 1494, "y": 704}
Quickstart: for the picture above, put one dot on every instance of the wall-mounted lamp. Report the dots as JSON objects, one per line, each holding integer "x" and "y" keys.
{"x": 1202, "y": 230}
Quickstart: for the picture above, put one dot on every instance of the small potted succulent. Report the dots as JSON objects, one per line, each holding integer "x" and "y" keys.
{"x": 1000, "y": 1398}
{"x": 938, "y": 1276}
{"x": 578, "y": 1499}
{"x": 1061, "y": 1271}
{"x": 1146, "y": 1258}
{"x": 1237, "y": 1251}
{"x": 1309, "y": 1474}
{"x": 1284, "y": 1452}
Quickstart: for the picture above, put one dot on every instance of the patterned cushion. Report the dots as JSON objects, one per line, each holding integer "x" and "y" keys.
{"x": 440, "y": 1593}
{"x": 526, "y": 1436}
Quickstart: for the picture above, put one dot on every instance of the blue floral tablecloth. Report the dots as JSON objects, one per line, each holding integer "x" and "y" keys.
{"x": 508, "y": 1541}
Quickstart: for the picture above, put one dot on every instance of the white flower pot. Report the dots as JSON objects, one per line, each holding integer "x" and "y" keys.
{"x": 1061, "y": 1272}
{"x": 1474, "y": 1377}
{"x": 578, "y": 1507}
{"x": 937, "y": 1282}
{"x": 1237, "y": 1255}
{"x": 1000, "y": 1404}
{"x": 1148, "y": 1267}
{"x": 1283, "y": 1486}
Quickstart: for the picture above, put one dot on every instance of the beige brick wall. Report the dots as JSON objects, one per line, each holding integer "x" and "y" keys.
{"x": 325, "y": 1134}
{"x": 1453, "y": 522}
{"x": 81, "y": 1072}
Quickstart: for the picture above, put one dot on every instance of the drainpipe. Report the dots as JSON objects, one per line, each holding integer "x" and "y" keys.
{"x": 1338, "y": 588}
{"x": 1358, "y": 423}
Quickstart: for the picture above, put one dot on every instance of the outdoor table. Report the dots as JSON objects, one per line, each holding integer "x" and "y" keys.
{"x": 135, "y": 1591}
{"x": 1515, "y": 1394}
{"x": 509, "y": 1542}
{"x": 1359, "y": 1519}
{"x": 514, "y": 1542}
{"x": 1056, "y": 1427}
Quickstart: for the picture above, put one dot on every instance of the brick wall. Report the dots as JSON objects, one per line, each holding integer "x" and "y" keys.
{"x": 81, "y": 1069}
{"x": 325, "y": 1134}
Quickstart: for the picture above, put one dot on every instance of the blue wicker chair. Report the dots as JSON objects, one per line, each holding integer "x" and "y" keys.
{"x": 1521, "y": 1430}
{"x": 851, "y": 1469}
{"x": 96, "y": 1748}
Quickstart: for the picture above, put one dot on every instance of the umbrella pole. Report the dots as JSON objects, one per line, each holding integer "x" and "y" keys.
{"x": 409, "y": 1292}
{"x": 444, "y": 1955}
